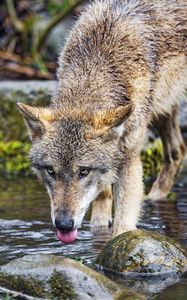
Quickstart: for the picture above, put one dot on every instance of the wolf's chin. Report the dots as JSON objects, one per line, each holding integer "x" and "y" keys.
{"x": 67, "y": 237}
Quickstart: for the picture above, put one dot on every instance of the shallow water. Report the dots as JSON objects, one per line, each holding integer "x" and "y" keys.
{"x": 25, "y": 228}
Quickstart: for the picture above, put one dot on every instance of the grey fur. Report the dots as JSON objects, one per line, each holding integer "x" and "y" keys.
{"x": 131, "y": 54}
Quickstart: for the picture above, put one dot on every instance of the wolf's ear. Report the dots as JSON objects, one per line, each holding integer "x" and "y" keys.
{"x": 113, "y": 118}
{"x": 34, "y": 119}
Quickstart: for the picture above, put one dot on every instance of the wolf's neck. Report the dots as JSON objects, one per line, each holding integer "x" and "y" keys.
{"x": 98, "y": 64}
{"x": 92, "y": 82}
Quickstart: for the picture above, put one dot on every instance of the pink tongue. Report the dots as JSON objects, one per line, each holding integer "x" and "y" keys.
{"x": 67, "y": 237}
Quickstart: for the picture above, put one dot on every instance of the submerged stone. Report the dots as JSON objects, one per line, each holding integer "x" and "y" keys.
{"x": 178, "y": 291}
{"x": 54, "y": 277}
{"x": 143, "y": 252}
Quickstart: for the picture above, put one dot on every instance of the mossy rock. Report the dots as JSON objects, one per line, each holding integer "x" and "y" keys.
{"x": 143, "y": 252}
{"x": 54, "y": 277}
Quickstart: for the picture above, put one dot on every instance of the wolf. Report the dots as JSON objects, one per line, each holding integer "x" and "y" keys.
{"x": 122, "y": 70}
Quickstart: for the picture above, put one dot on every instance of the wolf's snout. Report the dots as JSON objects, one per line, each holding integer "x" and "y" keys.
{"x": 65, "y": 229}
{"x": 65, "y": 224}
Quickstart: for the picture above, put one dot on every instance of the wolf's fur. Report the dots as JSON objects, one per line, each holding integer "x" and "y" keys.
{"x": 123, "y": 68}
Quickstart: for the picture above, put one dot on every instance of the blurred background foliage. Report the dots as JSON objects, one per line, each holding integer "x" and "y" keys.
{"x": 24, "y": 28}
{"x": 14, "y": 159}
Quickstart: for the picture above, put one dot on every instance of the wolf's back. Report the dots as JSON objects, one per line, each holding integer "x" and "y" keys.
{"x": 115, "y": 40}
{"x": 162, "y": 15}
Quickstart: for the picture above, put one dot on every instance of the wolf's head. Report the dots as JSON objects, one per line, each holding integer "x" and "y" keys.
{"x": 75, "y": 154}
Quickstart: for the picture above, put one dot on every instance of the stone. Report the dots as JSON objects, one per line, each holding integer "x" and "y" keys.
{"x": 55, "y": 277}
{"x": 143, "y": 252}
{"x": 178, "y": 291}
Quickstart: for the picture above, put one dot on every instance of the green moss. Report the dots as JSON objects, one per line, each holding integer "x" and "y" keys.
{"x": 6, "y": 297}
{"x": 60, "y": 287}
{"x": 14, "y": 159}
{"x": 172, "y": 196}
{"x": 55, "y": 7}
{"x": 79, "y": 259}
{"x": 25, "y": 285}
{"x": 152, "y": 158}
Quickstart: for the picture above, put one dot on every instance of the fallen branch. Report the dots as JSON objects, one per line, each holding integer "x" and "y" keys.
{"x": 26, "y": 71}
{"x": 9, "y": 56}
{"x": 18, "y": 25}
{"x": 6, "y": 55}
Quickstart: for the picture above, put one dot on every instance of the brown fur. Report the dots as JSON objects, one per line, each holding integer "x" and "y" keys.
{"x": 123, "y": 68}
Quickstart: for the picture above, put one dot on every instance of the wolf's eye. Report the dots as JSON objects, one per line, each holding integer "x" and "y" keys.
{"x": 50, "y": 171}
{"x": 83, "y": 172}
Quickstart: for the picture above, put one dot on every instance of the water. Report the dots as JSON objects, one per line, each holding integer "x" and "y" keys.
{"x": 25, "y": 228}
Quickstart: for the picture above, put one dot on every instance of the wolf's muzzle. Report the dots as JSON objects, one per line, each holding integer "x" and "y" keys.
{"x": 64, "y": 224}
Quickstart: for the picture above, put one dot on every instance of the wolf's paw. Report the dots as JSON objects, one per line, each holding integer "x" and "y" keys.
{"x": 156, "y": 194}
{"x": 100, "y": 222}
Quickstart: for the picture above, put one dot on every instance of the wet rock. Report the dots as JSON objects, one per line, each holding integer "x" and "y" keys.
{"x": 29, "y": 92}
{"x": 53, "y": 277}
{"x": 147, "y": 284}
{"x": 177, "y": 291}
{"x": 143, "y": 252}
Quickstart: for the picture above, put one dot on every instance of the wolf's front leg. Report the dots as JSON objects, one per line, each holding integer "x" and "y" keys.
{"x": 128, "y": 195}
{"x": 102, "y": 209}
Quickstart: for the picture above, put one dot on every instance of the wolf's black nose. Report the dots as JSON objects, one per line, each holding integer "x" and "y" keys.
{"x": 64, "y": 224}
